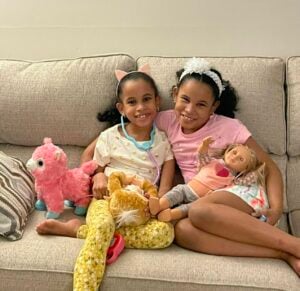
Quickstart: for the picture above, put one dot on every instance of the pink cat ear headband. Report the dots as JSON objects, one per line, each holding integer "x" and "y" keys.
{"x": 121, "y": 74}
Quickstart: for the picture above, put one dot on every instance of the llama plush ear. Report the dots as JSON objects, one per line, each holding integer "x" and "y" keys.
{"x": 57, "y": 155}
{"x": 47, "y": 140}
{"x": 120, "y": 74}
{"x": 145, "y": 69}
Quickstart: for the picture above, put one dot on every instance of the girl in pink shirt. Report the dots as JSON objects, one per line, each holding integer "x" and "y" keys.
{"x": 222, "y": 223}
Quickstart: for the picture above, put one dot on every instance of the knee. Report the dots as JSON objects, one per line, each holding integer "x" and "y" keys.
{"x": 201, "y": 212}
{"x": 183, "y": 230}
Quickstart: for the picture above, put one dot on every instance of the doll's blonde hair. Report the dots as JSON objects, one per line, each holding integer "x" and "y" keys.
{"x": 254, "y": 164}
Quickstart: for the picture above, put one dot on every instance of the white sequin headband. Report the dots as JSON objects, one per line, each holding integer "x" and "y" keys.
{"x": 201, "y": 66}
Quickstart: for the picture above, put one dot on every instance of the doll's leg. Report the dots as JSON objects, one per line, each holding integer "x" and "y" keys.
{"x": 91, "y": 261}
{"x": 152, "y": 235}
{"x": 175, "y": 196}
{"x": 174, "y": 213}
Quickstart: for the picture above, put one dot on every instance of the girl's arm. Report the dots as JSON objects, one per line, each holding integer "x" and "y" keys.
{"x": 166, "y": 177}
{"x": 274, "y": 184}
{"x": 88, "y": 153}
{"x": 99, "y": 179}
{"x": 99, "y": 183}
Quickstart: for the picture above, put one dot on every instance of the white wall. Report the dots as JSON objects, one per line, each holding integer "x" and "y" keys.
{"x": 39, "y": 29}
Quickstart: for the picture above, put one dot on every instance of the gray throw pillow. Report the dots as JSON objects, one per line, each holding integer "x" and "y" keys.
{"x": 17, "y": 196}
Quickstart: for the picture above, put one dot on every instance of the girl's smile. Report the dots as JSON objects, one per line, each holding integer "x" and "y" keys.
{"x": 139, "y": 104}
{"x": 194, "y": 105}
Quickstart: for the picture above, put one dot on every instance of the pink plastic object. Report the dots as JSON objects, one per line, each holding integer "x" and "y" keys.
{"x": 115, "y": 249}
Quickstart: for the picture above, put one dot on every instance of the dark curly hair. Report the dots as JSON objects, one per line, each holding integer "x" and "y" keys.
{"x": 228, "y": 98}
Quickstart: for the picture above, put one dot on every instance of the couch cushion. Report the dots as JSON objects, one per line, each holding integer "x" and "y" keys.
{"x": 46, "y": 263}
{"x": 293, "y": 105}
{"x": 259, "y": 83}
{"x": 293, "y": 141}
{"x": 293, "y": 183}
{"x": 59, "y": 99}
{"x": 294, "y": 219}
{"x": 17, "y": 196}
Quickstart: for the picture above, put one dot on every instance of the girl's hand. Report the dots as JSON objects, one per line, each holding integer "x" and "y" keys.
{"x": 272, "y": 215}
{"x": 99, "y": 185}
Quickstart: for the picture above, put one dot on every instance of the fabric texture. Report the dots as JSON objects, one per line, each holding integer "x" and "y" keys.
{"x": 38, "y": 262}
{"x": 57, "y": 97}
{"x": 17, "y": 196}
{"x": 119, "y": 154}
{"x": 293, "y": 141}
{"x": 222, "y": 129}
{"x": 293, "y": 105}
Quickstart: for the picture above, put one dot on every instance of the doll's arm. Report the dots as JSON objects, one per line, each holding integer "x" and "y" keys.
{"x": 203, "y": 157}
{"x": 166, "y": 178}
{"x": 274, "y": 184}
{"x": 88, "y": 153}
{"x": 204, "y": 146}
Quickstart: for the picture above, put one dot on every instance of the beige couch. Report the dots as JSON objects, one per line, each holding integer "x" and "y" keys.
{"x": 60, "y": 99}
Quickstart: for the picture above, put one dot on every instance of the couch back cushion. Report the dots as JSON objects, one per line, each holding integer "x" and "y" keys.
{"x": 293, "y": 141}
{"x": 59, "y": 98}
{"x": 293, "y": 105}
{"x": 259, "y": 83}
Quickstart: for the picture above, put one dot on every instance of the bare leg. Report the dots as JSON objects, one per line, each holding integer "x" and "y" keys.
{"x": 56, "y": 227}
{"x": 170, "y": 214}
{"x": 190, "y": 237}
{"x": 158, "y": 204}
{"x": 226, "y": 215}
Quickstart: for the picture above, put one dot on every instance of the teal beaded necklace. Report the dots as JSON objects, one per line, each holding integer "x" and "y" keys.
{"x": 145, "y": 145}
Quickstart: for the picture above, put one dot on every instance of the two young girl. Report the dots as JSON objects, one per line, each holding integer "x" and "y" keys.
{"x": 220, "y": 223}
{"x": 135, "y": 148}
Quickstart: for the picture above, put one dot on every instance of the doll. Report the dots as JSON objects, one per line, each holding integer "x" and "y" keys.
{"x": 239, "y": 166}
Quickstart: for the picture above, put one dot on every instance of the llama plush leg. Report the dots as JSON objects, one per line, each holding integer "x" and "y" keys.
{"x": 40, "y": 205}
{"x": 98, "y": 233}
{"x": 152, "y": 235}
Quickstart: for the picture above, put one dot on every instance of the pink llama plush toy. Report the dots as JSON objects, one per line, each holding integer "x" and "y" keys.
{"x": 54, "y": 182}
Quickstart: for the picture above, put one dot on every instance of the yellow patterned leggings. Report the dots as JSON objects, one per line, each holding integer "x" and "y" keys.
{"x": 98, "y": 233}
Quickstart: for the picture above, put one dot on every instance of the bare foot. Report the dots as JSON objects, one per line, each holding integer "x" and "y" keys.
{"x": 165, "y": 215}
{"x": 154, "y": 205}
{"x": 170, "y": 214}
{"x": 56, "y": 227}
{"x": 293, "y": 262}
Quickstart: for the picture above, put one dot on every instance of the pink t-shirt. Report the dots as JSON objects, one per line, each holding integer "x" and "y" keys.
{"x": 223, "y": 130}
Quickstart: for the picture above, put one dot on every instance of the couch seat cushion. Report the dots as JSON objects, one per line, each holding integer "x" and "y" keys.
{"x": 46, "y": 263}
